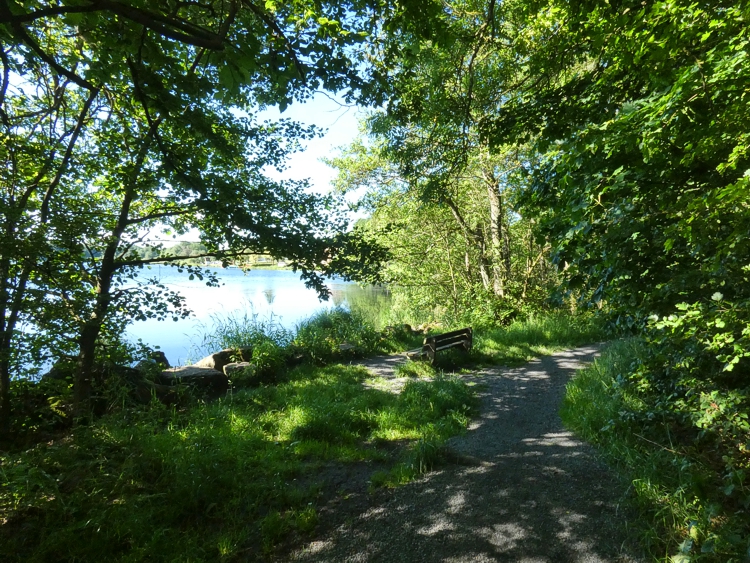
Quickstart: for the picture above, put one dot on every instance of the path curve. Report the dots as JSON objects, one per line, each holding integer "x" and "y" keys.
{"x": 530, "y": 491}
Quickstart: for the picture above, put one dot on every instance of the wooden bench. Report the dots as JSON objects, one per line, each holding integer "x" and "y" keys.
{"x": 434, "y": 344}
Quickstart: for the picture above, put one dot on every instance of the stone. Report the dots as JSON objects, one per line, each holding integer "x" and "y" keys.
{"x": 166, "y": 394}
{"x": 243, "y": 374}
{"x": 201, "y": 377}
{"x": 238, "y": 367}
{"x": 218, "y": 360}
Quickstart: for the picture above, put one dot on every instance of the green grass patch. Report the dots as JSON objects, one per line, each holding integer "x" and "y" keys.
{"x": 444, "y": 406}
{"x": 536, "y": 336}
{"x": 415, "y": 368}
{"x": 330, "y": 336}
{"x": 214, "y": 482}
{"x": 690, "y": 508}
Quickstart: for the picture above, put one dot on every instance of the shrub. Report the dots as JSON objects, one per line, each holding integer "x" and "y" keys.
{"x": 680, "y": 437}
{"x": 320, "y": 337}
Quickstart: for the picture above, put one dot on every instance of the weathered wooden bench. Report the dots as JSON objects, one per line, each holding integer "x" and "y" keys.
{"x": 434, "y": 344}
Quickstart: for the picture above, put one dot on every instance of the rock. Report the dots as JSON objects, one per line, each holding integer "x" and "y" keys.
{"x": 201, "y": 377}
{"x": 165, "y": 394}
{"x": 218, "y": 360}
{"x": 243, "y": 374}
{"x": 160, "y": 358}
{"x": 238, "y": 367}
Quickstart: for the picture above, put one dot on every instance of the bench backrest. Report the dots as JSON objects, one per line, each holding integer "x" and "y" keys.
{"x": 432, "y": 343}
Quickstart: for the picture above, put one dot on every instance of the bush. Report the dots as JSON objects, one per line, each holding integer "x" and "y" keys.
{"x": 320, "y": 337}
{"x": 269, "y": 359}
{"x": 679, "y": 436}
{"x": 220, "y": 481}
{"x": 39, "y": 408}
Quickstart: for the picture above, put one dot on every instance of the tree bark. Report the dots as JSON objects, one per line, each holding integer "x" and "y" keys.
{"x": 473, "y": 237}
{"x": 499, "y": 239}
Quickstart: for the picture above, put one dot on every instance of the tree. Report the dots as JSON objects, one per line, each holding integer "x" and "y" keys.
{"x": 432, "y": 136}
{"x": 459, "y": 254}
{"x": 634, "y": 117}
{"x": 143, "y": 115}
{"x": 653, "y": 158}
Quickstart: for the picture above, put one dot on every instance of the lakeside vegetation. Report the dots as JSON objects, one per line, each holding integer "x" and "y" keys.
{"x": 197, "y": 254}
{"x": 240, "y": 476}
{"x": 685, "y": 464}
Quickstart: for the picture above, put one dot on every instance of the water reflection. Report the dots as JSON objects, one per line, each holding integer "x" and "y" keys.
{"x": 266, "y": 293}
{"x": 269, "y": 295}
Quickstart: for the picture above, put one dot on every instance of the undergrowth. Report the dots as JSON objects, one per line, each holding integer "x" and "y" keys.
{"x": 329, "y": 336}
{"x": 689, "y": 482}
{"x": 213, "y": 482}
{"x": 234, "y": 478}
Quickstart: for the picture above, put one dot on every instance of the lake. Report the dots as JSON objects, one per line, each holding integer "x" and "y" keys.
{"x": 263, "y": 292}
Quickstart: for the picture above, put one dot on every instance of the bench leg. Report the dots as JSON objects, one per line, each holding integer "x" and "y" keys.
{"x": 430, "y": 352}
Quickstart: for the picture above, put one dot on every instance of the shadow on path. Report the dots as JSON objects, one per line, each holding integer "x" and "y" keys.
{"x": 383, "y": 366}
{"x": 528, "y": 491}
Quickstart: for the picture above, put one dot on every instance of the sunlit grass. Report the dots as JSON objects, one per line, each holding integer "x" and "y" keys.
{"x": 233, "y": 478}
{"x": 415, "y": 368}
{"x": 537, "y": 336}
{"x": 216, "y": 480}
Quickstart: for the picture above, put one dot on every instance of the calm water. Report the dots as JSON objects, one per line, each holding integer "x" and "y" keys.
{"x": 263, "y": 292}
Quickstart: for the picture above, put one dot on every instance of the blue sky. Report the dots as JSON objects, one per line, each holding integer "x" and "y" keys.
{"x": 327, "y": 113}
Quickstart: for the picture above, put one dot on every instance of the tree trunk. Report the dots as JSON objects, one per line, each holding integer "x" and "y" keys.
{"x": 108, "y": 266}
{"x": 5, "y": 333}
{"x": 10, "y": 310}
{"x": 484, "y": 264}
{"x": 93, "y": 326}
{"x": 499, "y": 240}
{"x": 473, "y": 237}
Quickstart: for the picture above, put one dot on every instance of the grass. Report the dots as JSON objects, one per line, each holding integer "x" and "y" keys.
{"x": 684, "y": 510}
{"x": 415, "y": 369}
{"x": 213, "y": 482}
{"x": 329, "y": 336}
{"x": 233, "y": 479}
{"x": 524, "y": 340}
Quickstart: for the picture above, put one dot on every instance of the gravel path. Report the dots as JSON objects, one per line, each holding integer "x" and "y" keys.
{"x": 526, "y": 490}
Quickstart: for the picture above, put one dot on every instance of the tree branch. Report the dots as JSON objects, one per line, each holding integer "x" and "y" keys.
{"x": 6, "y": 15}
{"x": 4, "y": 87}
{"x": 279, "y": 33}
{"x": 68, "y": 153}
{"x": 44, "y": 13}
{"x": 189, "y": 34}
{"x": 143, "y": 261}
{"x": 173, "y": 213}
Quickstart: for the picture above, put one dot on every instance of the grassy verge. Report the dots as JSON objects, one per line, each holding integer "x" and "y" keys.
{"x": 316, "y": 340}
{"x": 687, "y": 510}
{"x": 524, "y": 340}
{"x": 213, "y": 482}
